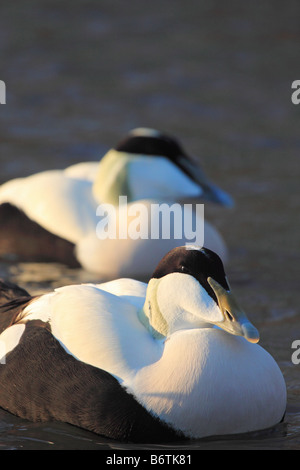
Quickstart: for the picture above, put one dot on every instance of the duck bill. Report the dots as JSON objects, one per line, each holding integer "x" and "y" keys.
{"x": 235, "y": 320}
{"x": 209, "y": 191}
{"x": 216, "y": 195}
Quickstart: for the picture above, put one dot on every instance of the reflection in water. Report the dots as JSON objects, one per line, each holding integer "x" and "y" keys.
{"x": 19, "y": 434}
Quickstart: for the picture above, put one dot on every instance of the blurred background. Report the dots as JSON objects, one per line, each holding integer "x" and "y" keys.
{"x": 79, "y": 75}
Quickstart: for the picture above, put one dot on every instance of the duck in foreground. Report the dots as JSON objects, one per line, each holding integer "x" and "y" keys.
{"x": 55, "y": 215}
{"x": 174, "y": 359}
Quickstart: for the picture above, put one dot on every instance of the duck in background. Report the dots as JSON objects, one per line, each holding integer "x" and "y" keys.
{"x": 172, "y": 359}
{"x": 56, "y": 215}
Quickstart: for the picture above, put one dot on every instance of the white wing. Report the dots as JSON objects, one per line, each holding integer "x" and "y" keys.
{"x": 99, "y": 328}
{"x": 62, "y": 205}
{"x": 84, "y": 170}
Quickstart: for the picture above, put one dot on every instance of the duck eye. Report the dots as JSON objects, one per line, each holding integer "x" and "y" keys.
{"x": 184, "y": 270}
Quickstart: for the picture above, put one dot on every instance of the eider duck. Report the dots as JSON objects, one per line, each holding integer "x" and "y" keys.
{"x": 172, "y": 359}
{"x": 61, "y": 215}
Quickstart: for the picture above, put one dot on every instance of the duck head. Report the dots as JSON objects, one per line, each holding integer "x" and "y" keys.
{"x": 147, "y": 164}
{"x": 189, "y": 289}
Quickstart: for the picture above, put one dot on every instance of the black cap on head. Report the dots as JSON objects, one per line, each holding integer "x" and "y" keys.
{"x": 151, "y": 143}
{"x": 200, "y": 263}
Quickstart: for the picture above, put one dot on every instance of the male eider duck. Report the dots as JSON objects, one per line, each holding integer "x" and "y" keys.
{"x": 62, "y": 215}
{"x": 174, "y": 359}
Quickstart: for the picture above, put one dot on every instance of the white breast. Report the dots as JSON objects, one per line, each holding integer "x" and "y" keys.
{"x": 209, "y": 382}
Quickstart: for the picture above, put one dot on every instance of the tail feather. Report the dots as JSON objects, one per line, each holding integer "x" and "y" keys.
{"x": 12, "y": 300}
{"x": 10, "y": 291}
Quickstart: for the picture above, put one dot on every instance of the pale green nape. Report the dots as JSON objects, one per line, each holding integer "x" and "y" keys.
{"x": 112, "y": 178}
{"x": 150, "y": 315}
